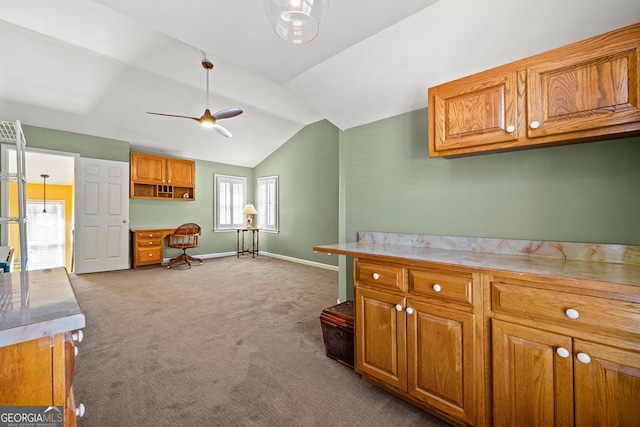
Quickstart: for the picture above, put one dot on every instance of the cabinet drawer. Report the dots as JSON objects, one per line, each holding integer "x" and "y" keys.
{"x": 148, "y": 255}
{"x": 564, "y": 308}
{"x": 143, "y": 236}
{"x": 386, "y": 276}
{"x": 442, "y": 286}
{"x": 148, "y": 242}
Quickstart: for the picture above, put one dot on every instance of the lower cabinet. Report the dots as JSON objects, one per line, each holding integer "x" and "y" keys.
{"x": 418, "y": 349}
{"x": 543, "y": 378}
{"x": 40, "y": 373}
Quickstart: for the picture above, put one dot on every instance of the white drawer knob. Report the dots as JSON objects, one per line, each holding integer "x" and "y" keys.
{"x": 562, "y": 352}
{"x": 398, "y": 307}
{"x": 409, "y": 310}
{"x": 437, "y": 287}
{"x": 534, "y": 125}
{"x": 511, "y": 128}
{"x": 572, "y": 314}
{"x": 80, "y": 410}
{"x": 150, "y": 235}
{"x": 584, "y": 358}
{"x": 150, "y": 254}
{"x": 376, "y": 276}
{"x": 151, "y": 243}
{"x": 77, "y": 336}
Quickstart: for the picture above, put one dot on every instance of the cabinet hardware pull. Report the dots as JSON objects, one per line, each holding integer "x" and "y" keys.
{"x": 339, "y": 334}
{"x": 409, "y": 310}
{"x": 534, "y": 125}
{"x": 437, "y": 287}
{"x": 376, "y": 276}
{"x": 572, "y": 314}
{"x": 150, "y": 254}
{"x": 80, "y": 410}
{"x": 77, "y": 336}
{"x": 398, "y": 307}
{"x": 562, "y": 352}
{"x": 584, "y": 358}
{"x": 511, "y": 128}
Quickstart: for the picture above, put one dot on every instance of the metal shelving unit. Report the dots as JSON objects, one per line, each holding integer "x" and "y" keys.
{"x": 11, "y": 132}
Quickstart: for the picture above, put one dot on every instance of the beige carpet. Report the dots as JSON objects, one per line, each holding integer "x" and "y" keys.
{"x": 232, "y": 342}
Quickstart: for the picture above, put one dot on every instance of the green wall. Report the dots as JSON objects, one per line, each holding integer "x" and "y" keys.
{"x": 577, "y": 193}
{"x": 307, "y": 169}
{"x": 93, "y": 147}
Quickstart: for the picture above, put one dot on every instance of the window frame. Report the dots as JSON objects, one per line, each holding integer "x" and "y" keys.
{"x": 218, "y": 179}
{"x": 263, "y": 206}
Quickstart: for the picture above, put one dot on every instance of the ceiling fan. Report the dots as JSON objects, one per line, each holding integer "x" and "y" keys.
{"x": 209, "y": 120}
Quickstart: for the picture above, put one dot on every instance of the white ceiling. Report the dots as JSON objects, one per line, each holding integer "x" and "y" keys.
{"x": 96, "y": 67}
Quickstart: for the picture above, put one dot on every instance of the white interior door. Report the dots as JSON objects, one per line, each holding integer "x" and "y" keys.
{"x": 101, "y": 215}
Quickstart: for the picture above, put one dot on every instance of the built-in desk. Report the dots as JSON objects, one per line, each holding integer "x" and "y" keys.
{"x": 148, "y": 245}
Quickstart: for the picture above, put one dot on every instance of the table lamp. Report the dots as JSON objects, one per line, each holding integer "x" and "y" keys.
{"x": 248, "y": 211}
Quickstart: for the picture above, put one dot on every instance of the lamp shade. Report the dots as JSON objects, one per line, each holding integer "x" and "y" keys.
{"x": 296, "y": 21}
{"x": 250, "y": 210}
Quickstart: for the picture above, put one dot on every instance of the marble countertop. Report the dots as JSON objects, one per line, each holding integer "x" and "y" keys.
{"x": 626, "y": 274}
{"x": 35, "y": 304}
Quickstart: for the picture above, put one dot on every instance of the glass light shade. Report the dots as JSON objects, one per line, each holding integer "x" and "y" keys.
{"x": 296, "y": 21}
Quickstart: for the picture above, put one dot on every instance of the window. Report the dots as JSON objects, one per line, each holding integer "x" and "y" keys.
{"x": 46, "y": 234}
{"x": 230, "y": 198}
{"x": 268, "y": 203}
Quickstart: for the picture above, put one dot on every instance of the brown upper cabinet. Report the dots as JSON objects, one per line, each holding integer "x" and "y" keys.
{"x": 586, "y": 91}
{"x": 157, "y": 177}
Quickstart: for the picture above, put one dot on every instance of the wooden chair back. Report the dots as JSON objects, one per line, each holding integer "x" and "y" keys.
{"x": 185, "y": 236}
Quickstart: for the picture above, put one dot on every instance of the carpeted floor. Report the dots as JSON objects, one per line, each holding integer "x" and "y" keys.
{"x": 231, "y": 342}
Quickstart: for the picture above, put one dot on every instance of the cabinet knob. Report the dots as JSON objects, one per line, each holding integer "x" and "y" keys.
{"x": 398, "y": 307}
{"x": 572, "y": 314}
{"x": 409, "y": 310}
{"x": 534, "y": 125}
{"x": 77, "y": 336}
{"x": 562, "y": 352}
{"x": 584, "y": 358}
{"x": 511, "y": 128}
{"x": 150, "y": 235}
{"x": 80, "y": 410}
{"x": 437, "y": 287}
{"x": 376, "y": 276}
{"x": 150, "y": 254}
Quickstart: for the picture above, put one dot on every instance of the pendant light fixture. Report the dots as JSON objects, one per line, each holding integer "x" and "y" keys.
{"x": 44, "y": 192}
{"x": 296, "y": 21}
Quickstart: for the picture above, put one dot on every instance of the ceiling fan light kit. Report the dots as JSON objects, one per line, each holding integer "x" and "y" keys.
{"x": 208, "y": 120}
{"x": 296, "y": 21}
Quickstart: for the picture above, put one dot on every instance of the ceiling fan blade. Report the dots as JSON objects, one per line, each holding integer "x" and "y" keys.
{"x": 221, "y": 130}
{"x": 173, "y": 115}
{"x": 228, "y": 113}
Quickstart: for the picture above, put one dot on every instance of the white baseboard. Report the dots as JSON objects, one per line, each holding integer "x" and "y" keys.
{"x": 262, "y": 253}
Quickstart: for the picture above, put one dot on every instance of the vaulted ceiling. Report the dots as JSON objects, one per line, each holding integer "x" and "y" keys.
{"x": 96, "y": 67}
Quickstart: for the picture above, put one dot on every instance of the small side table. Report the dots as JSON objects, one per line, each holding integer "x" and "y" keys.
{"x": 240, "y": 245}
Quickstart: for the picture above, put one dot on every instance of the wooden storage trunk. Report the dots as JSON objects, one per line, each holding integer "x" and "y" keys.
{"x": 337, "y": 331}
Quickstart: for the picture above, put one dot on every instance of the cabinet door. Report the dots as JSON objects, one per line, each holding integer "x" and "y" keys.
{"x": 180, "y": 172}
{"x": 473, "y": 112}
{"x": 608, "y": 386}
{"x": 380, "y": 337}
{"x": 147, "y": 168}
{"x": 588, "y": 86}
{"x": 532, "y": 384}
{"x": 440, "y": 354}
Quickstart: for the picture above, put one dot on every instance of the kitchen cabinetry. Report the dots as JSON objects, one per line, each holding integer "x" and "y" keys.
{"x": 157, "y": 177}
{"x": 563, "y": 358}
{"x": 586, "y": 91}
{"x": 416, "y": 335}
{"x": 37, "y": 343}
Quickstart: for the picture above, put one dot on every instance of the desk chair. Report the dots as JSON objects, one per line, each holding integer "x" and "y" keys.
{"x": 185, "y": 237}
